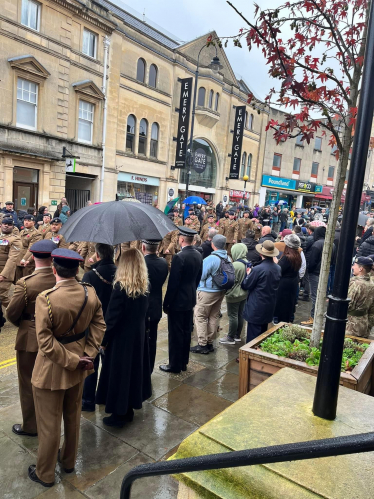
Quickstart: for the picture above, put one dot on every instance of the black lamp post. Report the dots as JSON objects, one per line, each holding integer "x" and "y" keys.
{"x": 215, "y": 66}
{"x": 327, "y": 387}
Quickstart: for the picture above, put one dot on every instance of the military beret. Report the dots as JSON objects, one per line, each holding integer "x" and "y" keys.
{"x": 185, "y": 231}
{"x": 363, "y": 260}
{"x": 232, "y": 212}
{"x": 43, "y": 248}
{"x": 152, "y": 242}
{"x": 47, "y": 215}
{"x": 189, "y": 218}
{"x": 29, "y": 217}
{"x": 210, "y": 216}
{"x": 7, "y": 221}
{"x": 56, "y": 221}
{"x": 66, "y": 258}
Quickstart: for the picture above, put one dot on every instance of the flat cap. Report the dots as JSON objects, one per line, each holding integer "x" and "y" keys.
{"x": 67, "y": 258}
{"x": 56, "y": 221}
{"x": 364, "y": 260}
{"x": 7, "y": 221}
{"x": 43, "y": 248}
{"x": 29, "y": 217}
{"x": 9, "y": 202}
{"x": 186, "y": 231}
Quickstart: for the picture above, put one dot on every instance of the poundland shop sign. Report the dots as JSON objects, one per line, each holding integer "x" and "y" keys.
{"x": 290, "y": 184}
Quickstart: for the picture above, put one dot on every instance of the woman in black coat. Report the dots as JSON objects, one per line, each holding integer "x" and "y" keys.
{"x": 125, "y": 380}
{"x": 252, "y": 255}
{"x": 290, "y": 264}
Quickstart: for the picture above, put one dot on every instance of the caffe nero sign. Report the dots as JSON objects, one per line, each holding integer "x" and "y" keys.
{"x": 200, "y": 160}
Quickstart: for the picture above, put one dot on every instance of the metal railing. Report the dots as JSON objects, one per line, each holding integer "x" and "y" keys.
{"x": 329, "y": 447}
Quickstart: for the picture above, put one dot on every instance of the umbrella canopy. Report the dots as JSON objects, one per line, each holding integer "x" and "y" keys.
{"x": 170, "y": 205}
{"x": 116, "y": 222}
{"x": 194, "y": 200}
{"x": 362, "y": 218}
{"x": 318, "y": 223}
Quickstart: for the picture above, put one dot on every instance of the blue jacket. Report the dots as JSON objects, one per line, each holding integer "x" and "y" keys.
{"x": 211, "y": 265}
{"x": 13, "y": 213}
{"x": 262, "y": 284}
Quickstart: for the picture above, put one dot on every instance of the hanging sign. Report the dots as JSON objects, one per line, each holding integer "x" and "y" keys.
{"x": 200, "y": 160}
{"x": 183, "y": 122}
{"x": 70, "y": 165}
{"x": 236, "y": 152}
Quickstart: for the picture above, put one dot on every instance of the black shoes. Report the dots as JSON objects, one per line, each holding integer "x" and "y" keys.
{"x": 210, "y": 347}
{"x": 201, "y": 349}
{"x": 88, "y": 407}
{"x": 67, "y": 470}
{"x": 119, "y": 421}
{"x": 17, "y": 429}
{"x": 166, "y": 368}
{"x": 34, "y": 477}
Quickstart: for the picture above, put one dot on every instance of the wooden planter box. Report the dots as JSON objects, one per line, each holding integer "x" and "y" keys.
{"x": 257, "y": 366}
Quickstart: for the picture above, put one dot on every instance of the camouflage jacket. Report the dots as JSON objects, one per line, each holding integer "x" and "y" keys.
{"x": 361, "y": 306}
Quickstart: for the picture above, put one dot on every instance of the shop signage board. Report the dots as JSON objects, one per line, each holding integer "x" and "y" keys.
{"x": 239, "y": 194}
{"x": 236, "y": 152}
{"x": 200, "y": 160}
{"x": 138, "y": 179}
{"x": 70, "y": 165}
{"x": 183, "y": 122}
{"x": 290, "y": 184}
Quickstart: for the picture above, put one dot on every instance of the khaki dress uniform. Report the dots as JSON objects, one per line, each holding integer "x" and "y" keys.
{"x": 15, "y": 231}
{"x": 10, "y": 247}
{"x": 221, "y": 224}
{"x": 44, "y": 229}
{"x": 361, "y": 306}
{"x": 57, "y": 383}
{"x": 230, "y": 231}
{"x": 28, "y": 238}
{"x": 209, "y": 214}
{"x": 58, "y": 239}
{"x": 74, "y": 246}
{"x": 21, "y": 312}
{"x": 87, "y": 251}
{"x": 244, "y": 225}
{"x": 195, "y": 225}
{"x": 258, "y": 230}
{"x": 205, "y": 230}
{"x": 169, "y": 242}
{"x": 120, "y": 251}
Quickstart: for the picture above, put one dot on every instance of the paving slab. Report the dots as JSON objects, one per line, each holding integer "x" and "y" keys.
{"x": 226, "y": 387}
{"x": 204, "y": 377}
{"x": 161, "y": 385}
{"x": 233, "y": 366}
{"x": 8, "y": 392}
{"x": 221, "y": 356}
{"x": 62, "y": 490}
{"x": 192, "y": 368}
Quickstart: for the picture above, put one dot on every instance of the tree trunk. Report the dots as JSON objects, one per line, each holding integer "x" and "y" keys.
{"x": 329, "y": 241}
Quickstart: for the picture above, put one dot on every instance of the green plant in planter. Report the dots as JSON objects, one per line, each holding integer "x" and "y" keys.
{"x": 293, "y": 342}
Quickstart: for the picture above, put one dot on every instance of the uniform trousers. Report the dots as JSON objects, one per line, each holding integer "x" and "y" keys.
{"x": 254, "y": 330}
{"x": 151, "y": 330}
{"x": 180, "y": 325}
{"x": 25, "y": 365}
{"x": 4, "y": 292}
{"x": 206, "y": 315}
{"x": 50, "y": 406}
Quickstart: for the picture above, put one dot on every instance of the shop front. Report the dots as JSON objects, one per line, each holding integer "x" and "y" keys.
{"x": 287, "y": 192}
{"x": 238, "y": 197}
{"x": 141, "y": 187}
{"x": 324, "y": 198}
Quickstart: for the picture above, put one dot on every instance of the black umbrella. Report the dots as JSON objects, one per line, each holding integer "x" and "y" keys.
{"x": 117, "y": 222}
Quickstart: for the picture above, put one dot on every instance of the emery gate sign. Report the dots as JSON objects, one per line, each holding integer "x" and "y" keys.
{"x": 290, "y": 184}
{"x": 183, "y": 122}
{"x": 236, "y": 152}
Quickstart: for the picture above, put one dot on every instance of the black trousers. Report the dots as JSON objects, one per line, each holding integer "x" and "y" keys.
{"x": 151, "y": 331}
{"x": 90, "y": 383}
{"x": 180, "y": 326}
{"x": 254, "y": 330}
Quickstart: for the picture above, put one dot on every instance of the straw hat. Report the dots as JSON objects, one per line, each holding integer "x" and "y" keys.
{"x": 267, "y": 248}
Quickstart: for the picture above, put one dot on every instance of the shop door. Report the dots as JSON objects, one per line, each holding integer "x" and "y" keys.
{"x": 25, "y": 195}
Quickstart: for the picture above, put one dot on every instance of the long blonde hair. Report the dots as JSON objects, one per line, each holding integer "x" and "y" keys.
{"x": 132, "y": 274}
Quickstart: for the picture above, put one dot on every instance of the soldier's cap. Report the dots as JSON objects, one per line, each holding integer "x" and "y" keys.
{"x": 43, "y": 248}
{"x": 9, "y": 202}
{"x": 232, "y": 212}
{"x": 189, "y": 218}
{"x": 66, "y": 258}
{"x": 29, "y": 217}
{"x": 152, "y": 242}
{"x": 56, "y": 221}
{"x": 186, "y": 231}
{"x": 47, "y": 215}
{"x": 363, "y": 260}
{"x": 210, "y": 216}
{"x": 7, "y": 221}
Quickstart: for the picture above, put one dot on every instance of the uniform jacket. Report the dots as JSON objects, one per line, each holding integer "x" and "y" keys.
{"x": 58, "y": 239}
{"x": 221, "y": 224}
{"x": 28, "y": 238}
{"x": 56, "y": 364}
{"x": 107, "y": 270}
{"x": 23, "y": 302}
{"x": 169, "y": 242}
{"x": 244, "y": 224}
{"x": 195, "y": 225}
{"x": 230, "y": 231}
{"x": 44, "y": 228}
{"x": 361, "y": 306}
{"x": 10, "y": 247}
{"x": 120, "y": 251}
{"x": 205, "y": 230}
{"x": 157, "y": 273}
{"x": 185, "y": 274}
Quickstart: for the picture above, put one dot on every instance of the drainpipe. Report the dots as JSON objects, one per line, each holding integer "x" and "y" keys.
{"x": 104, "y": 88}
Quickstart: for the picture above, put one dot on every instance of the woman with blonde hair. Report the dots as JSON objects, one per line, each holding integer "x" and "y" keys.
{"x": 125, "y": 380}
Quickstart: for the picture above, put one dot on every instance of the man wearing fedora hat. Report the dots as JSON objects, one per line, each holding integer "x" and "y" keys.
{"x": 262, "y": 283}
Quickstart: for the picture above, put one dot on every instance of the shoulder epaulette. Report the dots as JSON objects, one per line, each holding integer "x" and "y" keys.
{"x": 46, "y": 294}
{"x": 47, "y": 291}
{"x": 86, "y": 284}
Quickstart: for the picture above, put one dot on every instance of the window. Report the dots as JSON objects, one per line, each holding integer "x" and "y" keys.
{"x": 140, "y": 70}
{"x": 318, "y": 144}
{"x": 130, "y": 133}
{"x": 334, "y": 149}
{"x": 89, "y": 43}
{"x": 85, "y": 123}
{"x": 152, "y": 76}
{"x": 296, "y": 165}
{"x": 27, "y": 103}
{"x": 30, "y": 15}
{"x": 246, "y": 120}
{"x": 330, "y": 174}
{"x": 299, "y": 140}
{"x": 315, "y": 169}
{"x": 201, "y": 97}
{"x": 154, "y": 140}
{"x": 143, "y": 130}
{"x": 244, "y": 164}
{"x": 211, "y": 95}
{"x": 217, "y": 100}
{"x": 277, "y": 160}
{"x": 250, "y": 122}
{"x": 249, "y": 165}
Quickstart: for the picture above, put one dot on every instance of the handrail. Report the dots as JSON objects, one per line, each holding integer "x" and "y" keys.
{"x": 338, "y": 446}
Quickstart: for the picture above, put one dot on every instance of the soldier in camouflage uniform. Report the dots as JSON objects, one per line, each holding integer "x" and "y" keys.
{"x": 29, "y": 235}
{"x": 258, "y": 230}
{"x": 210, "y": 212}
{"x": 195, "y": 224}
{"x": 361, "y": 294}
{"x": 245, "y": 224}
{"x": 177, "y": 220}
{"x": 222, "y": 222}
{"x": 46, "y": 225}
{"x": 209, "y": 225}
{"x": 168, "y": 246}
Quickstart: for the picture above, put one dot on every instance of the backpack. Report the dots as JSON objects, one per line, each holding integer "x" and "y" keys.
{"x": 225, "y": 276}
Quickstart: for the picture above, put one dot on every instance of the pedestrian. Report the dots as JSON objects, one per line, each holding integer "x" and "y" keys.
{"x": 267, "y": 235}
{"x": 206, "y": 227}
{"x": 250, "y": 242}
{"x": 69, "y": 328}
{"x": 209, "y": 298}
{"x": 125, "y": 379}
{"x": 290, "y": 264}
{"x": 297, "y": 230}
{"x": 219, "y": 210}
{"x": 283, "y": 217}
{"x": 39, "y": 217}
{"x": 101, "y": 277}
{"x": 367, "y": 247}
{"x": 62, "y": 203}
{"x": 157, "y": 274}
{"x": 275, "y": 217}
{"x": 10, "y": 248}
{"x": 262, "y": 284}
{"x": 361, "y": 299}
{"x": 21, "y": 313}
{"x": 236, "y": 296}
{"x": 29, "y": 235}
{"x": 180, "y": 299}
{"x": 197, "y": 244}
{"x": 8, "y": 210}
{"x": 207, "y": 245}
{"x": 244, "y": 224}
{"x": 65, "y": 214}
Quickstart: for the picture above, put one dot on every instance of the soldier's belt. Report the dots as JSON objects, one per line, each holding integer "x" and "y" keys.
{"x": 357, "y": 313}
{"x": 28, "y": 317}
{"x": 65, "y": 340}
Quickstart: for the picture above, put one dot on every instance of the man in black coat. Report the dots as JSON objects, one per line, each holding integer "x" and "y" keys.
{"x": 180, "y": 299}
{"x": 219, "y": 210}
{"x": 157, "y": 274}
{"x": 249, "y": 240}
{"x": 101, "y": 277}
{"x": 267, "y": 235}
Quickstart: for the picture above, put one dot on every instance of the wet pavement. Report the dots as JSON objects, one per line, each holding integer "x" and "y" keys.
{"x": 178, "y": 406}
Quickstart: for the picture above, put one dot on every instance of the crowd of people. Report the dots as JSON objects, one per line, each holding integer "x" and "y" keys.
{"x": 261, "y": 261}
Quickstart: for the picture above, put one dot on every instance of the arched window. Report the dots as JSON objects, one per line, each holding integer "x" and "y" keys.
{"x": 217, "y": 100}
{"x": 143, "y": 131}
{"x": 211, "y": 95}
{"x": 244, "y": 163}
{"x": 152, "y": 76}
{"x": 201, "y": 97}
{"x": 249, "y": 165}
{"x": 204, "y": 166}
{"x": 130, "y": 133}
{"x": 154, "y": 140}
{"x": 246, "y": 120}
{"x": 140, "y": 70}
{"x": 250, "y": 122}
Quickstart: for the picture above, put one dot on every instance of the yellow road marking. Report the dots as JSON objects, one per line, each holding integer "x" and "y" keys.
{"x": 8, "y": 365}
{"x": 6, "y": 361}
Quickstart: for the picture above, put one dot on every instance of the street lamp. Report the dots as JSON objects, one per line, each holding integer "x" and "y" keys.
{"x": 245, "y": 178}
{"x": 215, "y": 65}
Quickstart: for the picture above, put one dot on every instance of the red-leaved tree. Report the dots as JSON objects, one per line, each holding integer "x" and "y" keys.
{"x": 315, "y": 48}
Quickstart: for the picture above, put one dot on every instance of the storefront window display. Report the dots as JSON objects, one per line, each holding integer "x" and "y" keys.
{"x": 143, "y": 188}
{"x": 204, "y": 166}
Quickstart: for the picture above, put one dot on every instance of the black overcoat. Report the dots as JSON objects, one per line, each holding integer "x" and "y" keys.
{"x": 107, "y": 270}
{"x": 287, "y": 291}
{"x": 157, "y": 274}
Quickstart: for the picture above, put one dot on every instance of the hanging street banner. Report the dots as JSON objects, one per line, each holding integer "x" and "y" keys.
{"x": 236, "y": 152}
{"x": 200, "y": 160}
{"x": 183, "y": 122}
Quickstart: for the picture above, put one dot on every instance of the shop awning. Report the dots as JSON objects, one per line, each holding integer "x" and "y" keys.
{"x": 322, "y": 196}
